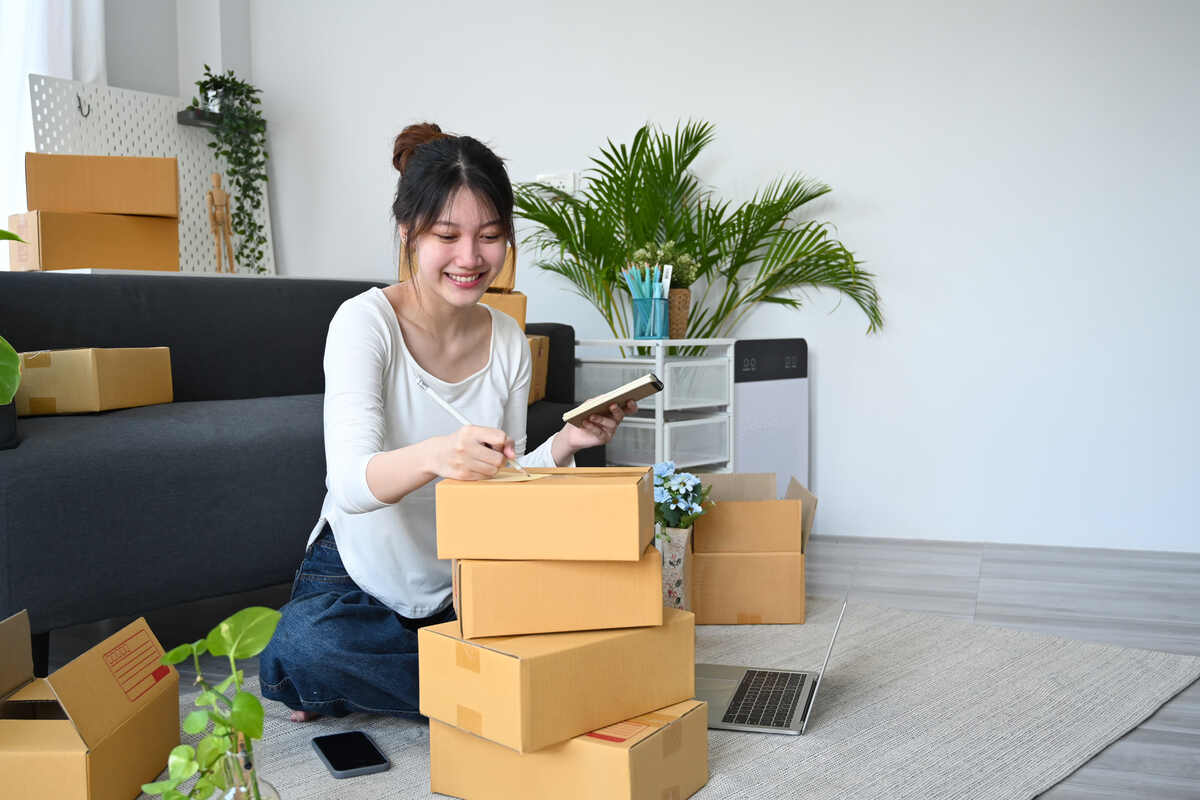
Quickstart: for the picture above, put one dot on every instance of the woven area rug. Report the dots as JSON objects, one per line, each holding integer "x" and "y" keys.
{"x": 913, "y": 706}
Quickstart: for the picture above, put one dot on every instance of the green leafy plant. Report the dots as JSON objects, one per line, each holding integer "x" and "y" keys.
{"x": 240, "y": 138}
{"x": 10, "y": 362}
{"x": 10, "y": 372}
{"x": 679, "y": 497}
{"x": 684, "y": 268}
{"x": 646, "y": 192}
{"x": 231, "y": 722}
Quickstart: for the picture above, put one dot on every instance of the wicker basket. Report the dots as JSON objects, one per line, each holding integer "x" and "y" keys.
{"x": 679, "y": 301}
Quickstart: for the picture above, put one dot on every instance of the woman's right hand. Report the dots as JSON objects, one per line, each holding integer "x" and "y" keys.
{"x": 472, "y": 453}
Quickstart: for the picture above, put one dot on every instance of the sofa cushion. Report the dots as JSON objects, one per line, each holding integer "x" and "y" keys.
{"x": 117, "y": 513}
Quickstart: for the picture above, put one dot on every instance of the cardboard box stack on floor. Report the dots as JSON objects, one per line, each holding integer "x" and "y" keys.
{"x": 113, "y": 212}
{"x": 563, "y": 671}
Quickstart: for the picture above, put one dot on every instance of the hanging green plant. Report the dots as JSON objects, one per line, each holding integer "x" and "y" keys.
{"x": 240, "y": 139}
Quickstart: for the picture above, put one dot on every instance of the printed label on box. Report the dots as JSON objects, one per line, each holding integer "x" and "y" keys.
{"x": 134, "y": 665}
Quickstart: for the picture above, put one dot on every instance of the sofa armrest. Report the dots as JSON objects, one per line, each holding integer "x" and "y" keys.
{"x": 560, "y": 374}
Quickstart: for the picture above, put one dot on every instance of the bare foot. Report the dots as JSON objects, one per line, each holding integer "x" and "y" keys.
{"x": 303, "y": 716}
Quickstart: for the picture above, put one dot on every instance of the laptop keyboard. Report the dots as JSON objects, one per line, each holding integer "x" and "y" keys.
{"x": 765, "y": 698}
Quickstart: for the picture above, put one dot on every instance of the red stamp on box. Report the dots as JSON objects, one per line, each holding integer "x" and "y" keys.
{"x": 134, "y": 665}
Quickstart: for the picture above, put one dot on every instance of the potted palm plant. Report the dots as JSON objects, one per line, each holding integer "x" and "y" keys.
{"x": 643, "y": 193}
{"x": 10, "y": 379}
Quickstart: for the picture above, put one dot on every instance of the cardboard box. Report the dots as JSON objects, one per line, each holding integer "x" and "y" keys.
{"x": 748, "y": 552}
{"x": 572, "y": 514}
{"x": 539, "y": 353}
{"x": 661, "y": 755}
{"x": 93, "y": 379}
{"x": 507, "y": 598}
{"x": 102, "y": 184}
{"x": 511, "y": 303}
{"x": 65, "y": 240}
{"x": 97, "y": 729}
{"x": 529, "y": 692}
{"x": 504, "y": 282}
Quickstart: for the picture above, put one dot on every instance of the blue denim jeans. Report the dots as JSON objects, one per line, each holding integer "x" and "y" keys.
{"x": 337, "y": 649}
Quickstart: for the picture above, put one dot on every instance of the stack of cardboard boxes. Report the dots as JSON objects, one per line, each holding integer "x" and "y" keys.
{"x": 111, "y": 212}
{"x": 563, "y": 676}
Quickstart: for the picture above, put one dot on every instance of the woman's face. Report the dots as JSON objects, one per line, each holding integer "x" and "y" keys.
{"x": 463, "y": 252}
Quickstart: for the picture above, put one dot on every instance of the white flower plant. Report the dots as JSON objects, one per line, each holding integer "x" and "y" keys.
{"x": 679, "y": 497}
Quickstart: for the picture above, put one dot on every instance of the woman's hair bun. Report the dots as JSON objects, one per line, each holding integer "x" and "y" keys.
{"x": 412, "y": 137}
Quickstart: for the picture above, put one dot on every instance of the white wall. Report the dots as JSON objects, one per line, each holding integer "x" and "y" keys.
{"x": 1020, "y": 176}
{"x": 140, "y": 45}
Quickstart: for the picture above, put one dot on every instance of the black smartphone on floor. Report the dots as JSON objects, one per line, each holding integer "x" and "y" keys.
{"x": 349, "y": 754}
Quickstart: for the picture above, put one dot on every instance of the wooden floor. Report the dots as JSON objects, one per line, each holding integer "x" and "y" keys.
{"x": 1129, "y": 598}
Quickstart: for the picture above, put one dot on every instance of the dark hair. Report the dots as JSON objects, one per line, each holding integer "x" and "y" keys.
{"x": 433, "y": 166}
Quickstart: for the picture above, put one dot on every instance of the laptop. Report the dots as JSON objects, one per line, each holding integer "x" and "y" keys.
{"x": 761, "y": 700}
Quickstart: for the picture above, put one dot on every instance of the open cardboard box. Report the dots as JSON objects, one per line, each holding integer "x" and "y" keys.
{"x": 748, "y": 550}
{"x": 661, "y": 755}
{"x": 529, "y": 692}
{"x": 96, "y": 729}
{"x": 93, "y": 379}
{"x": 508, "y": 598}
{"x": 572, "y": 514}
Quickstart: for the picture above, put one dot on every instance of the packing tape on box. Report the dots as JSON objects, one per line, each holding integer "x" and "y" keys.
{"x": 42, "y": 405}
{"x": 672, "y": 737}
{"x": 35, "y": 360}
{"x": 470, "y": 720}
{"x": 749, "y": 619}
{"x": 671, "y": 793}
{"x": 466, "y": 657}
{"x": 654, "y": 719}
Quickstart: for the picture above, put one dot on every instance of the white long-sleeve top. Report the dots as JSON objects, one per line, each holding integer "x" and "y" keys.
{"x": 372, "y": 405}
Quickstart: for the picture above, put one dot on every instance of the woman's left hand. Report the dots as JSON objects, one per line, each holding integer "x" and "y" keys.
{"x": 596, "y": 430}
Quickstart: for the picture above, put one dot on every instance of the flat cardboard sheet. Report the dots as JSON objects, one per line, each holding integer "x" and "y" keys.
{"x": 662, "y": 755}
{"x": 102, "y": 184}
{"x": 93, "y": 379}
{"x": 573, "y": 514}
{"x": 67, "y": 240}
{"x": 529, "y": 692}
{"x": 505, "y": 598}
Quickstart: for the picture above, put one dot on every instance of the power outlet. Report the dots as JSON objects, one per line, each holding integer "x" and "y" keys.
{"x": 563, "y": 181}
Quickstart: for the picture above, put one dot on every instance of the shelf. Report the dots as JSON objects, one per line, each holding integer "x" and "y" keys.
{"x": 198, "y": 118}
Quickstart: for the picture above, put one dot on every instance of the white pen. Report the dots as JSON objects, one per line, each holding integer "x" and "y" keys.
{"x": 452, "y": 411}
{"x": 666, "y": 279}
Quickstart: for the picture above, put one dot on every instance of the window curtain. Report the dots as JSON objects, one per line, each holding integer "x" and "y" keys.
{"x": 60, "y": 38}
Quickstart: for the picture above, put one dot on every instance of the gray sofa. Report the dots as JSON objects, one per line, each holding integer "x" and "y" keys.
{"x": 123, "y": 512}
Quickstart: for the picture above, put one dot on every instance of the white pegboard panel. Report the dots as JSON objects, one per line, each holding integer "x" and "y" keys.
{"x": 122, "y": 122}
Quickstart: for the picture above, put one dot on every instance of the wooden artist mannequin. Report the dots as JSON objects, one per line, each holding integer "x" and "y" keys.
{"x": 218, "y": 221}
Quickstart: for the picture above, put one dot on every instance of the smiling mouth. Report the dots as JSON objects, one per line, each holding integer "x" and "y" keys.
{"x": 465, "y": 281}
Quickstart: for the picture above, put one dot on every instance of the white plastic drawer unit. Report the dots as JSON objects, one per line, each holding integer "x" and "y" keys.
{"x": 687, "y": 442}
{"x": 688, "y": 383}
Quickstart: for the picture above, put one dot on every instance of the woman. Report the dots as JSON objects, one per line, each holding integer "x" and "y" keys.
{"x": 370, "y": 575}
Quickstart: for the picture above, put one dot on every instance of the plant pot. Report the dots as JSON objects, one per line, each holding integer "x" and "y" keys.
{"x": 8, "y": 427}
{"x": 212, "y": 101}
{"x": 675, "y": 544}
{"x": 680, "y": 302}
